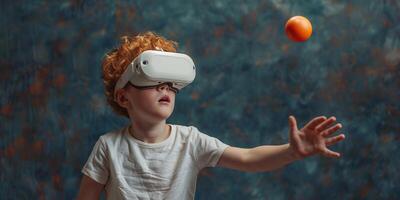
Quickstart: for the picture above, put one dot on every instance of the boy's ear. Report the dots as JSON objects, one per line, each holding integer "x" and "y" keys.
{"x": 121, "y": 99}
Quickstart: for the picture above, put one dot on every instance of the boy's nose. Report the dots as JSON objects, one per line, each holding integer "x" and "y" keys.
{"x": 166, "y": 86}
{"x": 163, "y": 87}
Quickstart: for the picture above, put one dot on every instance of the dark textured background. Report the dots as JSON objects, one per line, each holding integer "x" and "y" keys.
{"x": 250, "y": 78}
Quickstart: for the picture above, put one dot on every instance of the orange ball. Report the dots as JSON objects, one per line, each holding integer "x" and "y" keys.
{"x": 298, "y": 28}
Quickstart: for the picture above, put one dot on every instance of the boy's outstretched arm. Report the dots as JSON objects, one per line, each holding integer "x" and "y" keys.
{"x": 313, "y": 138}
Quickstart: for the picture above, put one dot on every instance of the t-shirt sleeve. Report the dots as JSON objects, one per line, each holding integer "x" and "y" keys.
{"x": 96, "y": 166}
{"x": 207, "y": 149}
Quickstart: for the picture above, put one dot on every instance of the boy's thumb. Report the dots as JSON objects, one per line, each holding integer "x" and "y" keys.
{"x": 292, "y": 122}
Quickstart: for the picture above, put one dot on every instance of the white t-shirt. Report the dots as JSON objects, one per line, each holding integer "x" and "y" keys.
{"x": 132, "y": 169}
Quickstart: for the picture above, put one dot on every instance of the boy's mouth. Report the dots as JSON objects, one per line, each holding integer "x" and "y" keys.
{"x": 165, "y": 98}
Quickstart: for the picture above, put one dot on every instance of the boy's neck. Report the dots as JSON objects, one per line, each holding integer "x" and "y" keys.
{"x": 150, "y": 132}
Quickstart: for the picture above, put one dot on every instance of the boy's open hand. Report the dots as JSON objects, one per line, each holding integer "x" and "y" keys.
{"x": 315, "y": 137}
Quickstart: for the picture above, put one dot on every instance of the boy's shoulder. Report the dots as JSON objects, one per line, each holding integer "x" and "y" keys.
{"x": 113, "y": 135}
{"x": 184, "y": 129}
{"x": 188, "y": 132}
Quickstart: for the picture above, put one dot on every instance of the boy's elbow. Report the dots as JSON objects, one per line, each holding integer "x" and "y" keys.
{"x": 89, "y": 189}
{"x": 242, "y": 159}
{"x": 251, "y": 162}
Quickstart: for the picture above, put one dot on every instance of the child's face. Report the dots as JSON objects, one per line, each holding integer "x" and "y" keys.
{"x": 150, "y": 104}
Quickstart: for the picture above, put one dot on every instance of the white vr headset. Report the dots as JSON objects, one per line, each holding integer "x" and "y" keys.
{"x": 152, "y": 68}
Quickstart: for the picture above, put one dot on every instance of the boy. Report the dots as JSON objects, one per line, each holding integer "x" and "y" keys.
{"x": 150, "y": 159}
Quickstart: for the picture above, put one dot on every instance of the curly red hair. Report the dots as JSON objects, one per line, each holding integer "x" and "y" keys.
{"x": 116, "y": 61}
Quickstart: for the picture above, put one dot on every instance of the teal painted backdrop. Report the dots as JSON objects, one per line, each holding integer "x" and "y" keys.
{"x": 250, "y": 79}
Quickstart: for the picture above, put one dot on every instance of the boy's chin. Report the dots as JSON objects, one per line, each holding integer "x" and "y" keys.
{"x": 163, "y": 115}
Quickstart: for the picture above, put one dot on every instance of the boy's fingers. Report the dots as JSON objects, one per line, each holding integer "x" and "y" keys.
{"x": 331, "y": 130}
{"x": 315, "y": 122}
{"x": 333, "y": 140}
{"x": 325, "y": 124}
{"x": 330, "y": 153}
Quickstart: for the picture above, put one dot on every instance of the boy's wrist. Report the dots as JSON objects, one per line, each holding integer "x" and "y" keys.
{"x": 293, "y": 153}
